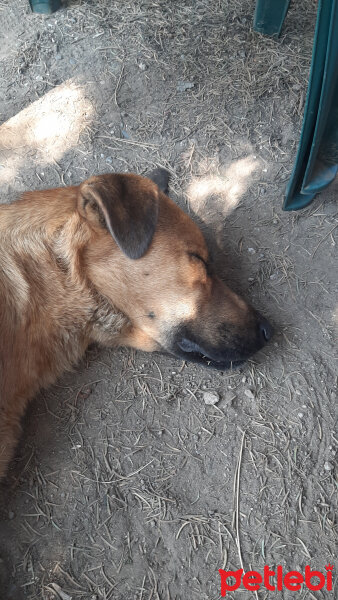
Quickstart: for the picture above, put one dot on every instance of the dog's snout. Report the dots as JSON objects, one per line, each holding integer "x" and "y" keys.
{"x": 265, "y": 330}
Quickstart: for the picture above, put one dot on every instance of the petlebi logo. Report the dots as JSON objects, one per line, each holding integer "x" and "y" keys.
{"x": 276, "y": 579}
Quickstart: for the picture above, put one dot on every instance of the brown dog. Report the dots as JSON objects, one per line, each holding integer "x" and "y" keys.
{"x": 113, "y": 261}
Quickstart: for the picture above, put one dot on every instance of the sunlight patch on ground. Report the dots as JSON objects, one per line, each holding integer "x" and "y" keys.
{"x": 222, "y": 192}
{"x": 45, "y": 130}
{"x": 214, "y": 196}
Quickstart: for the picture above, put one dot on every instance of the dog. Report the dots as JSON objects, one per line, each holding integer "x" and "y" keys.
{"x": 113, "y": 261}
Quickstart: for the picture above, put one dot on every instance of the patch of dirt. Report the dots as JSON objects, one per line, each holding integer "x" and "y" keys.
{"x": 126, "y": 484}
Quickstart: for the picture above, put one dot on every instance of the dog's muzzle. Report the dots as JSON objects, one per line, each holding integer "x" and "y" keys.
{"x": 224, "y": 355}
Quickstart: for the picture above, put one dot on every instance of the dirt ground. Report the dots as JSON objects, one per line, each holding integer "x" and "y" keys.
{"x": 126, "y": 484}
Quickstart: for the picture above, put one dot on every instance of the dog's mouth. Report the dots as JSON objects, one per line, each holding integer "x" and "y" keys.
{"x": 192, "y": 352}
{"x": 206, "y": 361}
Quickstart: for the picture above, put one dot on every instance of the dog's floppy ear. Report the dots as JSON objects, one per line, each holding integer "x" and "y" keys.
{"x": 127, "y": 205}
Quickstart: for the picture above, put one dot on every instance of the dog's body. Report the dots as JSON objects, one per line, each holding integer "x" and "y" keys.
{"x": 112, "y": 261}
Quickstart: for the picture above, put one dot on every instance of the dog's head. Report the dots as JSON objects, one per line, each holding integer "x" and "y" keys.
{"x": 151, "y": 261}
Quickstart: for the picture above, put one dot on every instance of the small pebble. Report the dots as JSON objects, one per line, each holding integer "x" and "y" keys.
{"x": 210, "y": 398}
{"x": 183, "y": 86}
{"x": 328, "y": 466}
{"x": 142, "y": 66}
{"x": 251, "y": 250}
{"x": 249, "y": 394}
{"x": 301, "y": 415}
{"x": 11, "y": 515}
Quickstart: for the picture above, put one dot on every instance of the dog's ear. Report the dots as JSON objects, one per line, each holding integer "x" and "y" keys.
{"x": 161, "y": 178}
{"x": 126, "y": 205}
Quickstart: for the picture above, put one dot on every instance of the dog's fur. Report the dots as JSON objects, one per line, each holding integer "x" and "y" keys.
{"x": 112, "y": 261}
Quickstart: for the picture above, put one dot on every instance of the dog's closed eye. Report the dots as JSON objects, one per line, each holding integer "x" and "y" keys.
{"x": 195, "y": 255}
{"x": 206, "y": 263}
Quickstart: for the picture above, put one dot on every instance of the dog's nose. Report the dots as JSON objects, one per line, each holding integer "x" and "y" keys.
{"x": 265, "y": 330}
